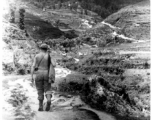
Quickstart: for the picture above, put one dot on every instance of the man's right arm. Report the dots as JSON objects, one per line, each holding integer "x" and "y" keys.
{"x": 33, "y": 68}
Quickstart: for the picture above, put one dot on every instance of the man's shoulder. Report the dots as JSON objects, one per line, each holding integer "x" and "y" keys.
{"x": 38, "y": 55}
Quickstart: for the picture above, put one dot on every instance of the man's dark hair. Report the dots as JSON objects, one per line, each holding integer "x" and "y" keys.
{"x": 44, "y": 49}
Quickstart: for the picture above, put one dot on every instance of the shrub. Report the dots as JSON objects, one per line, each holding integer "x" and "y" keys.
{"x": 21, "y": 71}
{"x": 7, "y": 40}
{"x": 21, "y": 22}
{"x": 71, "y": 87}
{"x": 12, "y": 15}
{"x": 8, "y": 67}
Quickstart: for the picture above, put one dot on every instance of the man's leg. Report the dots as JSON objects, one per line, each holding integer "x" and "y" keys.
{"x": 40, "y": 90}
{"x": 48, "y": 94}
{"x": 48, "y": 105}
{"x": 40, "y": 105}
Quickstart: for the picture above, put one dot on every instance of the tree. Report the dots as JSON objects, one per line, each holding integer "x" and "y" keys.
{"x": 86, "y": 12}
{"x": 21, "y": 22}
{"x": 12, "y": 14}
{"x": 53, "y": 6}
{"x": 59, "y": 5}
{"x": 74, "y": 6}
{"x": 81, "y": 11}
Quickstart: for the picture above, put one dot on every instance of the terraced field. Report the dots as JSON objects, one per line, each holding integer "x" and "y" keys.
{"x": 118, "y": 71}
{"x": 112, "y": 76}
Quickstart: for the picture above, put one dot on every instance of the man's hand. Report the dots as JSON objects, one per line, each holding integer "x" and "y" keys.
{"x": 32, "y": 82}
{"x": 51, "y": 79}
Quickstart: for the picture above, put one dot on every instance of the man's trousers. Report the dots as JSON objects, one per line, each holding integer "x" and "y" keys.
{"x": 42, "y": 83}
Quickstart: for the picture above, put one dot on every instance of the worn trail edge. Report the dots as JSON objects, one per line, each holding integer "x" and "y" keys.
{"x": 101, "y": 115}
{"x": 65, "y": 106}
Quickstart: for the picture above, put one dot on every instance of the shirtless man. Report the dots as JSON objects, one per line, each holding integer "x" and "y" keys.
{"x": 45, "y": 75}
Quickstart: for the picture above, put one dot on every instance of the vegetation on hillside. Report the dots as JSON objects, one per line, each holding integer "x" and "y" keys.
{"x": 102, "y": 7}
{"x": 107, "y": 86}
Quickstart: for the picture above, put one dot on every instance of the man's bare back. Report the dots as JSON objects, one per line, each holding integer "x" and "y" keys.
{"x": 43, "y": 59}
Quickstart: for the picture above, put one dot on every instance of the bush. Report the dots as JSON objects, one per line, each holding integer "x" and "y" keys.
{"x": 7, "y": 40}
{"x": 71, "y": 87}
{"x": 21, "y": 23}
{"x": 101, "y": 43}
{"x": 8, "y": 67}
{"x": 12, "y": 16}
{"x": 21, "y": 71}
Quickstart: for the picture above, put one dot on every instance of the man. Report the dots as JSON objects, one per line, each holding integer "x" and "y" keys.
{"x": 45, "y": 75}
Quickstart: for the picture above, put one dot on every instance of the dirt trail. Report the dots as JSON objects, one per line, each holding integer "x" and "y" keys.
{"x": 20, "y": 102}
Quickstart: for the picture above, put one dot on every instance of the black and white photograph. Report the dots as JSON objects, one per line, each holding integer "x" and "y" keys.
{"x": 76, "y": 60}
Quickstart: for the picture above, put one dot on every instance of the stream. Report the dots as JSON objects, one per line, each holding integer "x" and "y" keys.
{"x": 121, "y": 36}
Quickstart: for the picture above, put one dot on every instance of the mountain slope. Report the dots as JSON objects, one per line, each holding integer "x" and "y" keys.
{"x": 134, "y": 20}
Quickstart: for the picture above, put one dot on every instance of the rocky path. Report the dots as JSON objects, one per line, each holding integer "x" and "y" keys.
{"x": 20, "y": 102}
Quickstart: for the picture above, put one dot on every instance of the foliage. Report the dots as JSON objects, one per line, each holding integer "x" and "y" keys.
{"x": 18, "y": 100}
{"x": 71, "y": 87}
{"x": 21, "y": 71}
{"x": 21, "y": 23}
{"x": 12, "y": 15}
{"x": 101, "y": 7}
{"x": 7, "y": 68}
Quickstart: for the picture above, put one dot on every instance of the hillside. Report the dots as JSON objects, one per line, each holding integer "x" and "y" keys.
{"x": 118, "y": 59}
{"x": 103, "y": 8}
{"x": 39, "y": 23}
{"x": 103, "y": 66}
{"x": 134, "y": 20}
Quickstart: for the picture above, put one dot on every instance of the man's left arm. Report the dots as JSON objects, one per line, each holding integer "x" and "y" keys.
{"x": 52, "y": 71}
{"x": 32, "y": 69}
{"x": 53, "y": 61}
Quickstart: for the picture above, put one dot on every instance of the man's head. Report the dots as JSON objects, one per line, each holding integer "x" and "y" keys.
{"x": 44, "y": 47}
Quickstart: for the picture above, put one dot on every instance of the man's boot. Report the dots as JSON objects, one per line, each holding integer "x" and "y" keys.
{"x": 40, "y": 105}
{"x": 48, "y": 104}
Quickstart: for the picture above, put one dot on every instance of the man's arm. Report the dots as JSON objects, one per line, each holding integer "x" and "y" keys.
{"x": 52, "y": 72}
{"x": 33, "y": 68}
{"x": 53, "y": 63}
